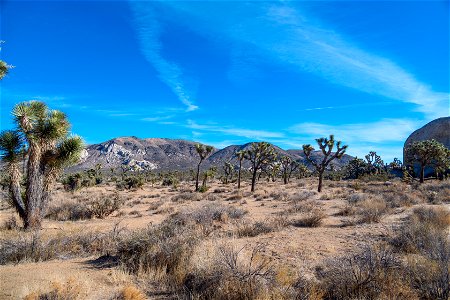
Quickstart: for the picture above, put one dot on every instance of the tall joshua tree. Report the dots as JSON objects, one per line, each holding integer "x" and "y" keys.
{"x": 288, "y": 166}
{"x": 203, "y": 151}
{"x": 428, "y": 153}
{"x": 326, "y": 146}
{"x": 49, "y": 149}
{"x": 259, "y": 155}
{"x": 240, "y": 155}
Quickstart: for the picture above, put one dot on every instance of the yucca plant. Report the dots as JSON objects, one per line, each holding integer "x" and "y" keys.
{"x": 42, "y": 139}
{"x": 259, "y": 154}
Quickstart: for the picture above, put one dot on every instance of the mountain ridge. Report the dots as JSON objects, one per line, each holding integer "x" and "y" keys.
{"x": 167, "y": 154}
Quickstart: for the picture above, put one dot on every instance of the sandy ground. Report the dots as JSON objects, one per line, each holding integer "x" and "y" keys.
{"x": 301, "y": 248}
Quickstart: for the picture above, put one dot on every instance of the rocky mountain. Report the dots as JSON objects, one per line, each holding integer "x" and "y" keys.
{"x": 167, "y": 154}
{"x": 438, "y": 130}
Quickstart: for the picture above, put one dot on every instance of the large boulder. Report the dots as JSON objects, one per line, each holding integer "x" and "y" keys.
{"x": 438, "y": 130}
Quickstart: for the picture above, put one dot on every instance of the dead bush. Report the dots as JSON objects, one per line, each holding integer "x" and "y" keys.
{"x": 312, "y": 219}
{"x": 279, "y": 196}
{"x": 10, "y": 224}
{"x": 69, "y": 211}
{"x": 424, "y": 229}
{"x": 186, "y": 196}
{"x": 232, "y": 277}
{"x": 371, "y": 210}
{"x": 301, "y": 196}
{"x": 367, "y": 274}
{"x": 104, "y": 205}
{"x": 70, "y": 290}
{"x": 247, "y": 229}
{"x": 163, "y": 250}
{"x": 129, "y": 293}
{"x": 32, "y": 246}
{"x": 424, "y": 238}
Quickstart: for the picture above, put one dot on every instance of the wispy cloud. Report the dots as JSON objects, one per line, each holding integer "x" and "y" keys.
{"x": 284, "y": 34}
{"x": 156, "y": 119}
{"x": 385, "y": 136}
{"x": 227, "y": 130}
{"x": 148, "y": 31}
{"x": 386, "y": 130}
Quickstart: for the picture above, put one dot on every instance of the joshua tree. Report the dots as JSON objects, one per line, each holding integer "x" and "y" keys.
{"x": 210, "y": 173}
{"x": 326, "y": 146}
{"x": 288, "y": 166}
{"x": 428, "y": 153}
{"x": 203, "y": 151}
{"x": 240, "y": 156}
{"x": 259, "y": 154}
{"x": 374, "y": 161}
{"x": 49, "y": 150}
{"x": 4, "y": 68}
{"x": 228, "y": 170}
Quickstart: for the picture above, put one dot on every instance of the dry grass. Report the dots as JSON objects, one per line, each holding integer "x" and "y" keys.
{"x": 70, "y": 290}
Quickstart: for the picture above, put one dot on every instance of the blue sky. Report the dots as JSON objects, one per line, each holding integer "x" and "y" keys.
{"x": 230, "y": 72}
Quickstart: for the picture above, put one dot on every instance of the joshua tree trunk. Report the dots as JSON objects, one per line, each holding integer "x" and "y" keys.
{"x": 422, "y": 173}
{"x": 319, "y": 188}
{"x": 254, "y": 179}
{"x": 197, "y": 177}
{"x": 33, "y": 193}
{"x": 239, "y": 174}
{"x": 15, "y": 190}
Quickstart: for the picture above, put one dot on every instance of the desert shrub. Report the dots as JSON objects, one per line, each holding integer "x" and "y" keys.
{"x": 230, "y": 276}
{"x": 300, "y": 207}
{"x": 104, "y": 205}
{"x": 347, "y": 210}
{"x": 235, "y": 196}
{"x": 69, "y": 211}
{"x": 254, "y": 229}
{"x": 367, "y": 274}
{"x": 371, "y": 210}
{"x": 211, "y": 197}
{"x": 186, "y": 196}
{"x": 32, "y": 246}
{"x": 162, "y": 250}
{"x": 279, "y": 196}
{"x": 10, "y": 224}
{"x": 301, "y": 196}
{"x": 130, "y": 182}
{"x": 155, "y": 205}
{"x": 424, "y": 238}
{"x": 129, "y": 293}
{"x": 70, "y": 290}
{"x": 170, "y": 180}
{"x": 312, "y": 219}
{"x": 357, "y": 197}
{"x": 424, "y": 229}
{"x": 203, "y": 189}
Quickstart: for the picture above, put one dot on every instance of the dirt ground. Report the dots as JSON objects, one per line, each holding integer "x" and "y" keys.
{"x": 302, "y": 248}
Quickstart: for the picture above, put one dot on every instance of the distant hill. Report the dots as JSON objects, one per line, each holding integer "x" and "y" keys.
{"x": 168, "y": 154}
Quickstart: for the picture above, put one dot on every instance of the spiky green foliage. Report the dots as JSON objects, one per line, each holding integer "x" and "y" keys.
{"x": 228, "y": 171}
{"x": 49, "y": 149}
{"x": 375, "y": 163}
{"x": 326, "y": 146}
{"x": 428, "y": 153}
{"x": 356, "y": 168}
{"x": 288, "y": 166}
{"x": 4, "y": 68}
{"x": 259, "y": 154}
{"x": 203, "y": 152}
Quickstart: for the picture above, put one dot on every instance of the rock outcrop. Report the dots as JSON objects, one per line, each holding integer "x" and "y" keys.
{"x": 438, "y": 130}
